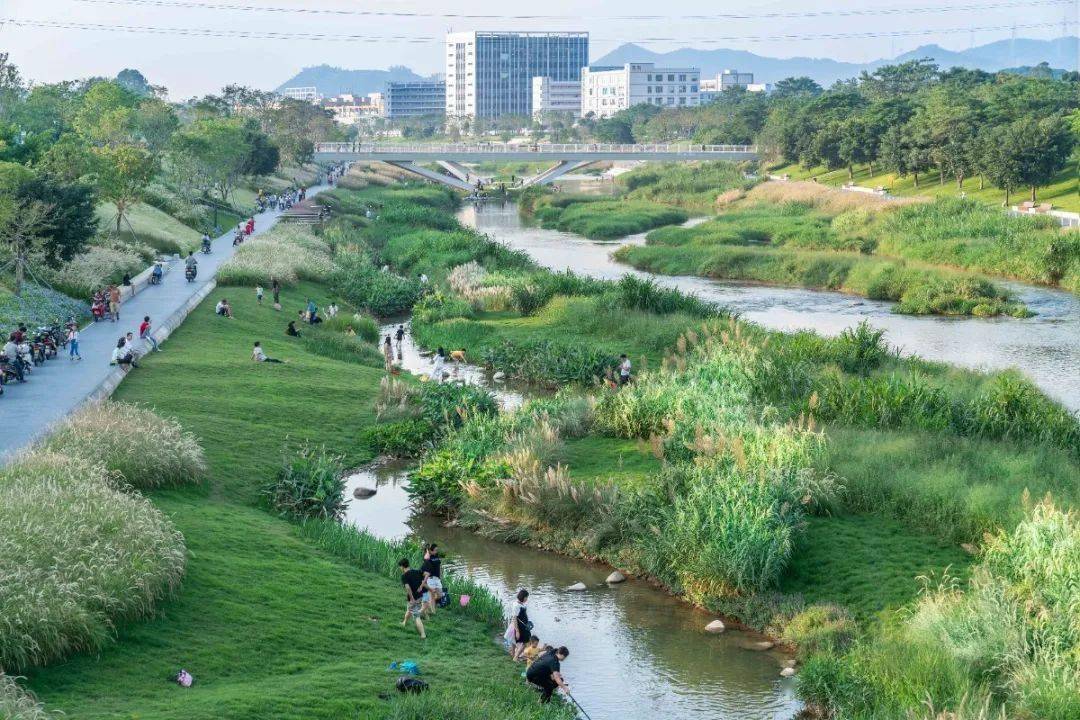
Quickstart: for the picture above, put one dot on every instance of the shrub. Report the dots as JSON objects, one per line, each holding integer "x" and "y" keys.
{"x": 819, "y": 628}
{"x": 95, "y": 268}
{"x": 38, "y": 306}
{"x": 547, "y": 362}
{"x": 141, "y": 447}
{"x": 310, "y": 484}
{"x": 437, "y": 306}
{"x": 287, "y": 253}
{"x": 365, "y": 326}
{"x": 341, "y": 346}
{"x": 685, "y": 184}
{"x": 449, "y": 405}
{"x": 19, "y": 704}
{"x": 404, "y": 438}
{"x": 366, "y": 286}
{"x": 607, "y": 219}
{"x": 647, "y": 295}
{"x": 860, "y": 349}
{"x": 76, "y": 556}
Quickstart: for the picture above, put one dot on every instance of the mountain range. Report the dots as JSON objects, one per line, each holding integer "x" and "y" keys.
{"x": 1060, "y": 53}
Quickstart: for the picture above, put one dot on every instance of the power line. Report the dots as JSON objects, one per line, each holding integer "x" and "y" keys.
{"x": 331, "y": 37}
{"x": 882, "y": 11}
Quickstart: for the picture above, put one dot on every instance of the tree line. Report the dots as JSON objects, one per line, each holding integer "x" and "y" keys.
{"x": 67, "y": 147}
{"x": 1011, "y": 130}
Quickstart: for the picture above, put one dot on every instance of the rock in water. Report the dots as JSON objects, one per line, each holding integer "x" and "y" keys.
{"x": 363, "y": 493}
{"x": 762, "y": 645}
{"x": 787, "y": 672}
{"x": 716, "y": 626}
{"x": 616, "y": 577}
{"x": 577, "y": 587}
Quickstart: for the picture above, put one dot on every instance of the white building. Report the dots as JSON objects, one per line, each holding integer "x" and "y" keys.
{"x": 729, "y": 80}
{"x": 307, "y": 93}
{"x": 489, "y": 74}
{"x": 555, "y": 96}
{"x": 350, "y": 109}
{"x": 607, "y": 90}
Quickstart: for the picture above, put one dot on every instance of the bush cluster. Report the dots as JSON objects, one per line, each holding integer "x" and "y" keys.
{"x": 287, "y": 253}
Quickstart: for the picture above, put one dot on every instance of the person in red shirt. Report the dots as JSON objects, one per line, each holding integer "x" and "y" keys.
{"x": 145, "y": 335}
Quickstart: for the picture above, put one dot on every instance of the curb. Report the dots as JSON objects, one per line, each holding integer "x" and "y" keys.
{"x": 107, "y": 386}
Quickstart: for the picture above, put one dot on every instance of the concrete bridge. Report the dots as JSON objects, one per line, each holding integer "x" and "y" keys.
{"x": 564, "y": 158}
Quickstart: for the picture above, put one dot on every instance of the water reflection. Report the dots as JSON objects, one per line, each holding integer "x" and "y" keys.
{"x": 1046, "y": 347}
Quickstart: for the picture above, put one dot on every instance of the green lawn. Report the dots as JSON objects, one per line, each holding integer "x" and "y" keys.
{"x": 1062, "y": 192}
{"x": 270, "y": 625}
{"x": 151, "y": 226}
{"x": 867, "y": 563}
{"x": 602, "y": 460}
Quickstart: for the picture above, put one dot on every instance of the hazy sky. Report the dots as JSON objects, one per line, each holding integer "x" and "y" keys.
{"x": 190, "y": 65}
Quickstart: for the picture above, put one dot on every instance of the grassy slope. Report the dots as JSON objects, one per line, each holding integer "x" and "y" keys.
{"x": 270, "y": 625}
{"x": 1062, "y": 192}
{"x": 152, "y": 227}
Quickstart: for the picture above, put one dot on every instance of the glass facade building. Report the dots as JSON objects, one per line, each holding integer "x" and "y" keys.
{"x": 489, "y": 74}
{"x": 413, "y": 99}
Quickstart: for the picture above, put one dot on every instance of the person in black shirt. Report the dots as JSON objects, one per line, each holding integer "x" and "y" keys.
{"x": 413, "y": 580}
{"x": 545, "y": 673}
{"x": 522, "y": 625}
{"x": 432, "y": 570}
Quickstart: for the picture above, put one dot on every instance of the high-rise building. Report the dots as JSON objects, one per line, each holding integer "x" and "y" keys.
{"x": 555, "y": 96}
{"x": 307, "y": 93}
{"x": 607, "y": 90}
{"x": 414, "y": 98}
{"x": 489, "y": 74}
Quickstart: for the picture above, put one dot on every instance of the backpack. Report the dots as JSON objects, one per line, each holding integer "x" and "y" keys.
{"x": 408, "y": 684}
{"x": 444, "y": 597}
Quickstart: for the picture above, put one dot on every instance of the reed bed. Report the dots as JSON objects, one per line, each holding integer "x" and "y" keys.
{"x": 287, "y": 253}
{"x": 142, "y": 448}
{"x": 19, "y": 704}
{"x": 76, "y": 555}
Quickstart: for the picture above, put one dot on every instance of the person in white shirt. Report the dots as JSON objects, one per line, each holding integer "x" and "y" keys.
{"x": 223, "y": 308}
{"x": 332, "y": 309}
{"x": 122, "y": 356}
{"x": 624, "y": 369}
{"x": 437, "y": 371}
{"x": 73, "y": 342}
{"x": 258, "y": 355}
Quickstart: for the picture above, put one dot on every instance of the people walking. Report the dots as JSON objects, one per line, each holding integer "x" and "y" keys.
{"x": 146, "y": 335}
{"x": 432, "y": 569}
{"x": 259, "y": 293}
{"x": 413, "y": 582}
{"x": 114, "y": 303}
{"x": 388, "y": 354}
{"x": 73, "y": 342}
{"x": 275, "y": 288}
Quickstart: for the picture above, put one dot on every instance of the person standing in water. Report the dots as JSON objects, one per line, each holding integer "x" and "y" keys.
{"x": 388, "y": 354}
{"x": 399, "y": 335}
{"x": 440, "y": 361}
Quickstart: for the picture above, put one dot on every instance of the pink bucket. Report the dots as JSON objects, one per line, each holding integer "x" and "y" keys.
{"x": 464, "y": 600}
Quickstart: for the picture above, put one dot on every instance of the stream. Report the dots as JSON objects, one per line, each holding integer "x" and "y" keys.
{"x": 1046, "y": 347}
{"x": 637, "y": 652}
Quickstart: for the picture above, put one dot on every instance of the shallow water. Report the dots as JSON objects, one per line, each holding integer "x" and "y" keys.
{"x": 1046, "y": 347}
{"x": 635, "y": 651}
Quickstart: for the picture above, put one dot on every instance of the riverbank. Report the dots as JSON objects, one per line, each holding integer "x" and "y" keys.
{"x": 502, "y": 476}
{"x": 273, "y": 618}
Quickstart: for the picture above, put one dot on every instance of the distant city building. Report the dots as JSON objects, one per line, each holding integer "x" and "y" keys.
{"x": 349, "y": 109}
{"x": 489, "y": 74}
{"x": 560, "y": 96}
{"x": 729, "y": 80}
{"x": 607, "y": 90}
{"x": 307, "y": 94}
{"x": 414, "y": 98}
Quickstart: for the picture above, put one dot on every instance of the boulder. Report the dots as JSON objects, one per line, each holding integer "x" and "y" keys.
{"x": 787, "y": 672}
{"x": 363, "y": 493}
{"x": 616, "y": 577}
{"x": 759, "y": 645}
{"x": 716, "y": 626}
{"x": 577, "y": 587}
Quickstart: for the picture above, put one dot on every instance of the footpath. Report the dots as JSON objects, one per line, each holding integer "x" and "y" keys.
{"x": 60, "y": 385}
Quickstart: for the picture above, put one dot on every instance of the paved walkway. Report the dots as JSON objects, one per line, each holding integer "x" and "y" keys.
{"x": 56, "y": 388}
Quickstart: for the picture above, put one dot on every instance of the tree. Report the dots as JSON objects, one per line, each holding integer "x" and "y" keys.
{"x": 71, "y": 222}
{"x": 796, "y": 87}
{"x": 134, "y": 82}
{"x": 122, "y": 173}
{"x": 216, "y": 152}
{"x": 901, "y": 80}
{"x": 21, "y": 226}
{"x": 1044, "y": 151}
{"x": 858, "y": 144}
{"x": 106, "y": 115}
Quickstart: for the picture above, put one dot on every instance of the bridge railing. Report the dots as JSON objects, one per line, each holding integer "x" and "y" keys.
{"x": 540, "y": 148}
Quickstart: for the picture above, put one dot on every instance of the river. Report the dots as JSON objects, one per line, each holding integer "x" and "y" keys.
{"x": 1046, "y": 347}
{"x": 636, "y": 652}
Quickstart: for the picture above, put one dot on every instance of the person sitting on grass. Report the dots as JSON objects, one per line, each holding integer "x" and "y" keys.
{"x": 413, "y": 581}
{"x": 258, "y": 355}
{"x": 291, "y": 330}
{"x": 545, "y": 673}
{"x": 122, "y": 356}
{"x": 332, "y": 309}
{"x": 223, "y": 308}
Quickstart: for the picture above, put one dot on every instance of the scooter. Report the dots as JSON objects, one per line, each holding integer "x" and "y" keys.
{"x": 190, "y": 272}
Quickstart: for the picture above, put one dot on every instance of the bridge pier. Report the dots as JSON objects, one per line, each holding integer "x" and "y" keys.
{"x": 463, "y": 173}
{"x": 557, "y": 171}
{"x": 415, "y": 169}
